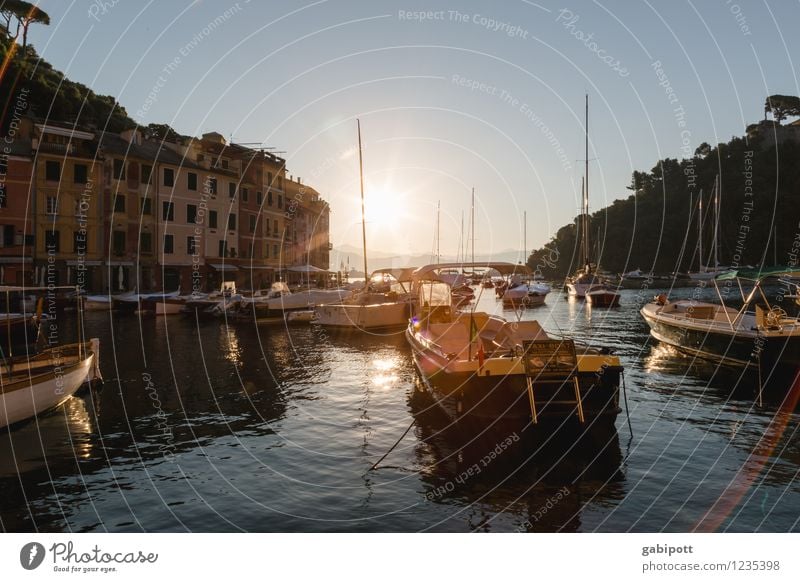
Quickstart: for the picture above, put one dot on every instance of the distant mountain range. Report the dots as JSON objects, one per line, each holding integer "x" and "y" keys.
{"x": 382, "y": 260}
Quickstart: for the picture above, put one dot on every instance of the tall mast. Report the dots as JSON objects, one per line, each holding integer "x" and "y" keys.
{"x": 461, "y": 240}
{"x": 473, "y": 225}
{"x": 716, "y": 221}
{"x": 363, "y": 213}
{"x": 586, "y": 191}
{"x": 525, "y": 233}
{"x": 700, "y": 233}
{"x": 438, "y": 213}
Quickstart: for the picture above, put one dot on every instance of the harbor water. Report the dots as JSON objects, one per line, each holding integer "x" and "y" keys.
{"x": 222, "y": 427}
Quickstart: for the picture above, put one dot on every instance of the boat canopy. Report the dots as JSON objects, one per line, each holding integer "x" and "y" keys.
{"x": 402, "y": 274}
{"x": 760, "y": 274}
{"x": 306, "y": 269}
{"x": 430, "y": 271}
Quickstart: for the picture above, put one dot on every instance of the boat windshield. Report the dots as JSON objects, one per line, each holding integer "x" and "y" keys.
{"x": 434, "y": 294}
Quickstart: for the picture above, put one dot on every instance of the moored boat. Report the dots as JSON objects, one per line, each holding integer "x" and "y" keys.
{"x": 385, "y": 304}
{"x": 602, "y": 297}
{"x": 32, "y": 385}
{"x": 759, "y": 334}
{"x": 486, "y": 371}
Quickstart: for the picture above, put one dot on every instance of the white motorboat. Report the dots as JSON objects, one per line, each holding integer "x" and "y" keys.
{"x": 765, "y": 336}
{"x": 386, "y": 304}
{"x": 525, "y": 293}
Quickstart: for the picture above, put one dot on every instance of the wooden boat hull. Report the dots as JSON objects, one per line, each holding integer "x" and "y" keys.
{"x": 480, "y": 398}
{"x": 602, "y": 298}
{"x": 37, "y": 391}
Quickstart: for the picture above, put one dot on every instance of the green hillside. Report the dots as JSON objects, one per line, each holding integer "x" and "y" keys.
{"x": 52, "y": 96}
{"x": 760, "y": 185}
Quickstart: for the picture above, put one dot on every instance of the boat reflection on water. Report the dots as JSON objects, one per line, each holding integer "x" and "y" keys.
{"x": 39, "y": 451}
{"x": 514, "y": 483}
{"x": 714, "y": 379}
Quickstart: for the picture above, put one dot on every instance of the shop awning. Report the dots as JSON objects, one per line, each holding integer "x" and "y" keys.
{"x": 223, "y": 267}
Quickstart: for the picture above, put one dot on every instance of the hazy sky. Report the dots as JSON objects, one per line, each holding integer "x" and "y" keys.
{"x": 477, "y": 94}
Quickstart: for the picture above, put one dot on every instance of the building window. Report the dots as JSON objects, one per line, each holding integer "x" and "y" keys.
{"x": 52, "y": 171}
{"x": 191, "y": 213}
{"x": 147, "y": 171}
{"x": 259, "y": 198}
{"x": 274, "y": 251}
{"x": 252, "y": 223}
{"x": 145, "y": 243}
{"x": 147, "y": 206}
{"x": 275, "y": 227}
{"x": 119, "y": 203}
{"x": 8, "y": 235}
{"x": 224, "y": 164}
{"x": 52, "y": 240}
{"x": 269, "y": 198}
{"x": 269, "y": 179}
{"x": 212, "y": 219}
{"x": 280, "y": 200}
{"x": 223, "y": 248}
{"x": 191, "y": 245}
{"x": 244, "y": 194}
{"x": 280, "y": 182}
{"x": 119, "y": 169}
{"x": 266, "y": 226}
{"x": 191, "y": 178}
{"x": 80, "y": 174}
{"x": 169, "y": 244}
{"x": 118, "y": 242}
{"x": 232, "y": 190}
{"x": 52, "y": 205}
{"x": 168, "y": 211}
{"x": 169, "y": 177}
{"x": 211, "y": 186}
{"x": 231, "y": 222}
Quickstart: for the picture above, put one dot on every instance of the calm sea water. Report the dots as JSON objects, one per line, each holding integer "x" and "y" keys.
{"x": 215, "y": 427}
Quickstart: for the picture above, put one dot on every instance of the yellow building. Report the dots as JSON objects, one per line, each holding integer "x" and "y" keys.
{"x": 68, "y": 213}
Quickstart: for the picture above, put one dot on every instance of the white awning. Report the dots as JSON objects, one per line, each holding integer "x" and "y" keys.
{"x": 306, "y": 269}
{"x": 223, "y": 267}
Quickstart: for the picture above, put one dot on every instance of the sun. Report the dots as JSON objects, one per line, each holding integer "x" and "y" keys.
{"x": 384, "y": 206}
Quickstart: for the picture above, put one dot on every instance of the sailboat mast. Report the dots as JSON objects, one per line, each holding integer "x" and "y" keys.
{"x": 586, "y": 190}
{"x": 525, "y": 233}
{"x": 700, "y": 233}
{"x": 461, "y": 240}
{"x": 363, "y": 213}
{"x": 716, "y": 222}
{"x": 473, "y": 224}
{"x": 438, "y": 216}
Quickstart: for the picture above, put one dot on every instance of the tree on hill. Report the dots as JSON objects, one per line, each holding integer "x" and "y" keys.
{"x": 54, "y": 97}
{"x": 25, "y": 14}
{"x": 161, "y": 132}
{"x": 656, "y": 229}
{"x": 782, "y": 106}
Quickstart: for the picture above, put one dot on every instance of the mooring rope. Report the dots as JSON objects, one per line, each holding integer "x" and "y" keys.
{"x": 413, "y": 422}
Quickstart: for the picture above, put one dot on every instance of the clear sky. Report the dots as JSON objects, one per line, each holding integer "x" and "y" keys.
{"x": 468, "y": 94}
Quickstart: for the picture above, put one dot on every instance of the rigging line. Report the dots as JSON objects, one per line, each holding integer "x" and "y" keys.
{"x": 413, "y": 422}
